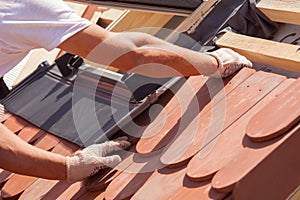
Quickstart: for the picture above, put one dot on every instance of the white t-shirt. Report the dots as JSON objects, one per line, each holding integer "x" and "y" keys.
{"x": 30, "y": 24}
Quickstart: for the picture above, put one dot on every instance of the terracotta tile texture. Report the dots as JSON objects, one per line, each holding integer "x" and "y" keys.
{"x": 31, "y": 134}
{"x": 242, "y": 98}
{"x": 44, "y": 189}
{"x": 15, "y": 123}
{"x": 229, "y": 143}
{"x": 282, "y": 172}
{"x": 287, "y": 113}
{"x": 16, "y": 185}
{"x": 173, "y": 183}
{"x": 239, "y": 167}
{"x": 5, "y": 117}
{"x": 180, "y": 109}
{"x": 197, "y": 142}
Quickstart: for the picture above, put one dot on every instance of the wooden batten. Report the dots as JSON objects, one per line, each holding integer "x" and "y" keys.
{"x": 285, "y": 11}
{"x": 276, "y": 54}
{"x": 132, "y": 20}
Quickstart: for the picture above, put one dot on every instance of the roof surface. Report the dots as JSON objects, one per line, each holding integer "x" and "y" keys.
{"x": 202, "y": 143}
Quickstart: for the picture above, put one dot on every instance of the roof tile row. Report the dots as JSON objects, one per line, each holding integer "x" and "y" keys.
{"x": 197, "y": 147}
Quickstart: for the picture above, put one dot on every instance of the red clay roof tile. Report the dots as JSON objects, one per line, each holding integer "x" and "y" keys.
{"x": 74, "y": 191}
{"x": 47, "y": 141}
{"x": 229, "y": 142}
{"x": 277, "y": 176}
{"x": 44, "y": 189}
{"x": 250, "y": 156}
{"x": 169, "y": 183}
{"x": 15, "y": 123}
{"x": 16, "y": 185}
{"x": 287, "y": 112}
{"x": 4, "y": 176}
{"x": 241, "y": 99}
{"x": 31, "y": 134}
{"x": 5, "y": 117}
{"x": 174, "y": 110}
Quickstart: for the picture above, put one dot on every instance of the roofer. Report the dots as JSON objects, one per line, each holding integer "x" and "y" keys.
{"x": 30, "y": 24}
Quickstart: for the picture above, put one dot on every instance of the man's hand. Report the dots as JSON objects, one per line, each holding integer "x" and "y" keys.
{"x": 90, "y": 160}
{"x": 229, "y": 61}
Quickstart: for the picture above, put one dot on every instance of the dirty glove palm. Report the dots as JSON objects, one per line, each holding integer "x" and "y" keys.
{"x": 90, "y": 160}
{"x": 229, "y": 61}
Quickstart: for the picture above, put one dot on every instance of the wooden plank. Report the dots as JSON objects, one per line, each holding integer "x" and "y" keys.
{"x": 108, "y": 16}
{"x": 285, "y": 11}
{"x": 276, "y": 54}
{"x": 193, "y": 21}
{"x": 136, "y": 19}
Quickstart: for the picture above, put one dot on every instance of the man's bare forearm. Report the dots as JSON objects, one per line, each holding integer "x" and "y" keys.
{"x": 20, "y": 157}
{"x": 138, "y": 52}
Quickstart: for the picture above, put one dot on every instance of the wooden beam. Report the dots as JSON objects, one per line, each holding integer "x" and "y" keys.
{"x": 132, "y": 20}
{"x": 285, "y": 11}
{"x": 280, "y": 55}
{"x": 108, "y": 16}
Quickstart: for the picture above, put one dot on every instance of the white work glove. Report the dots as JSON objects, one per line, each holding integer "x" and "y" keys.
{"x": 229, "y": 61}
{"x": 91, "y": 159}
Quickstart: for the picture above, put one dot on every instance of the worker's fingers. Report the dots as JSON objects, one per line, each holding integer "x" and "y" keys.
{"x": 229, "y": 61}
{"x": 84, "y": 165}
{"x": 237, "y": 58}
{"x": 109, "y": 161}
{"x": 116, "y": 145}
{"x": 99, "y": 150}
{"x": 121, "y": 138}
{"x": 105, "y": 162}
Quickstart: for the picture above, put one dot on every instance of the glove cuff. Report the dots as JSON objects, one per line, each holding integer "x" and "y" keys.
{"x": 218, "y": 72}
{"x": 73, "y": 167}
{"x": 217, "y": 58}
